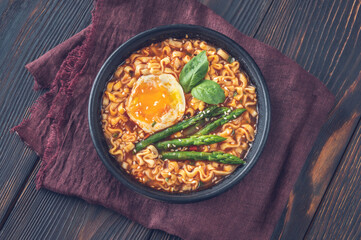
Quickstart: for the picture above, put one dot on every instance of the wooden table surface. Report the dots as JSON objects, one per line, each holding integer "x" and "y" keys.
{"x": 323, "y": 36}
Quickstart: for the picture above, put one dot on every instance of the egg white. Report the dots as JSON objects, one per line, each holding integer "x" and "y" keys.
{"x": 176, "y": 107}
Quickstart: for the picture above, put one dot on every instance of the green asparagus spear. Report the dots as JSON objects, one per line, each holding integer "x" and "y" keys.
{"x": 191, "y": 141}
{"x": 173, "y": 129}
{"x": 193, "y": 129}
{"x": 219, "y": 111}
{"x": 210, "y": 156}
{"x": 219, "y": 122}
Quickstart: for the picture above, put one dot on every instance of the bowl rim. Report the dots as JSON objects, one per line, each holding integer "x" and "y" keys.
{"x": 195, "y": 196}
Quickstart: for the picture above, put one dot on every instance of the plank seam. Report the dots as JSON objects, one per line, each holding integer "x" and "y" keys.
{"x": 17, "y": 196}
{"x": 332, "y": 178}
{"x": 263, "y": 18}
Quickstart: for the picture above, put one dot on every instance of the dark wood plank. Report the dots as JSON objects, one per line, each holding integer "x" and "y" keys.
{"x": 13, "y": 173}
{"x": 27, "y": 30}
{"x": 160, "y": 235}
{"x": 31, "y": 30}
{"x": 156, "y": 233}
{"x": 244, "y": 15}
{"x": 322, "y": 36}
{"x": 46, "y": 215}
{"x": 321, "y": 165}
{"x": 339, "y": 214}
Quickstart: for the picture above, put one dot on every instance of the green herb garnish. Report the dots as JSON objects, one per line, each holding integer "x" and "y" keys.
{"x": 191, "y": 78}
{"x": 115, "y": 135}
{"x": 233, "y": 132}
{"x": 235, "y": 94}
{"x": 194, "y": 71}
{"x": 209, "y": 92}
{"x": 153, "y": 124}
{"x": 230, "y": 59}
{"x": 166, "y": 179}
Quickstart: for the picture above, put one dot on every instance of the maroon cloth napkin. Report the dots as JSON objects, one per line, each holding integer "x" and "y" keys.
{"x": 58, "y": 129}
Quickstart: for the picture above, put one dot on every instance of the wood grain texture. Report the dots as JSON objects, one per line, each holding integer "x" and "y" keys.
{"x": 321, "y": 165}
{"x": 28, "y": 30}
{"x": 339, "y": 214}
{"x": 322, "y": 36}
{"x": 46, "y": 215}
{"x": 244, "y": 15}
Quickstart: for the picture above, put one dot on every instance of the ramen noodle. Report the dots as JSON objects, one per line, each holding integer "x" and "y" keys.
{"x": 122, "y": 132}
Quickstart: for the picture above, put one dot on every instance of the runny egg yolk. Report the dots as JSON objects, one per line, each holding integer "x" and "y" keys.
{"x": 156, "y": 102}
{"x": 152, "y": 101}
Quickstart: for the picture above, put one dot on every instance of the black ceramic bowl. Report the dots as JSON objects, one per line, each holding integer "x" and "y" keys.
{"x": 156, "y": 35}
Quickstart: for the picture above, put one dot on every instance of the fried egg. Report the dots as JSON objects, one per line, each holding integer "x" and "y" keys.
{"x": 156, "y": 102}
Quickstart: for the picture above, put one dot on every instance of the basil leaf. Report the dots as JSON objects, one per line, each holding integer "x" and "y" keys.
{"x": 209, "y": 92}
{"x": 194, "y": 71}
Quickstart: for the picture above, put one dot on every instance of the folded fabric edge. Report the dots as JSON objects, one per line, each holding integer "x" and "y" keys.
{"x": 69, "y": 72}
{"x": 35, "y": 68}
{"x": 51, "y": 61}
{"x": 75, "y": 45}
